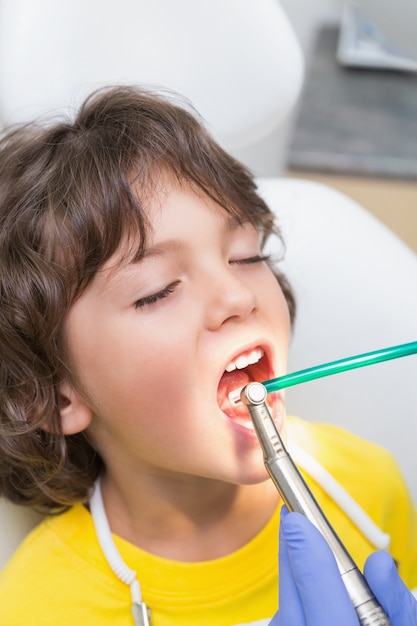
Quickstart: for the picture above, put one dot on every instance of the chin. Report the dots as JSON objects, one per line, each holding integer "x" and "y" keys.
{"x": 256, "y": 477}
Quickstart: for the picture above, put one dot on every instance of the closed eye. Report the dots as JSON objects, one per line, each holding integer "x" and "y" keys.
{"x": 155, "y": 297}
{"x": 252, "y": 259}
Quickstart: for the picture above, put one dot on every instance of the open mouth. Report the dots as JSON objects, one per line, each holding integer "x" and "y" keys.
{"x": 247, "y": 367}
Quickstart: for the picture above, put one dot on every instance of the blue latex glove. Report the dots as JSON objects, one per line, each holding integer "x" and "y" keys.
{"x": 389, "y": 589}
{"x": 311, "y": 592}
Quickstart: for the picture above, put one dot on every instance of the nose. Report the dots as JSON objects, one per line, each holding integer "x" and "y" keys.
{"x": 228, "y": 299}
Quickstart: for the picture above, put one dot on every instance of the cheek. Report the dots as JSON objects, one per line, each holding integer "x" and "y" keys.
{"x": 275, "y": 303}
{"x": 134, "y": 373}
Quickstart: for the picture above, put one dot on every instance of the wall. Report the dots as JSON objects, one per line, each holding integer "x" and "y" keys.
{"x": 267, "y": 156}
{"x": 306, "y": 16}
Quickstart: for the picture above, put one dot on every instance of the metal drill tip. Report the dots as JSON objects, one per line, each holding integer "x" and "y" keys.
{"x": 253, "y": 393}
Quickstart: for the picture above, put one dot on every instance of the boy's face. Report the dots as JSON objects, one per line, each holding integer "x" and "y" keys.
{"x": 150, "y": 342}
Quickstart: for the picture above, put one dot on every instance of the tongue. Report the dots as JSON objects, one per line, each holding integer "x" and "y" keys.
{"x": 229, "y": 382}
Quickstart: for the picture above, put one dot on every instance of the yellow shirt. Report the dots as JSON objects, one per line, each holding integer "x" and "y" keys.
{"x": 59, "y": 576}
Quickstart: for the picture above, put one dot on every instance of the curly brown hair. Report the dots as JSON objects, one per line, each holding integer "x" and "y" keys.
{"x": 66, "y": 203}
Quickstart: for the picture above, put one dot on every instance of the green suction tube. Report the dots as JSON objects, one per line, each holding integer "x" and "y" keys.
{"x": 341, "y": 365}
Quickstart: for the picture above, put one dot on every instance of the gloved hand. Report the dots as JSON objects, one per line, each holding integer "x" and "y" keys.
{"x": 311, "y": 592}
{"x": 390, "y": 591}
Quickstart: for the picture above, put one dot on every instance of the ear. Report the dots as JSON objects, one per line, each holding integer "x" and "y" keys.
{"x": 75, "y": 414}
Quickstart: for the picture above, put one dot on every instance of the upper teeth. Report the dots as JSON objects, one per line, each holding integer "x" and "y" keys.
{"x": 244, "y": 360}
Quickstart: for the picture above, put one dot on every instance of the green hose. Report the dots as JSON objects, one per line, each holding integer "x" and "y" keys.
{"x": 342, "y": 365}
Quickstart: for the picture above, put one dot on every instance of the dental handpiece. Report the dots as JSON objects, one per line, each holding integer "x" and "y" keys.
{"x": 298, "y": 497}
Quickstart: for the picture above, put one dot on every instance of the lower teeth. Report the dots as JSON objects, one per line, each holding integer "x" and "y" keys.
{"x": 234, "y": 396}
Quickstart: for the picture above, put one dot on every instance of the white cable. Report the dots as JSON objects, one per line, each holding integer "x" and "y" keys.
{"x": 110, "y": 551}
{"x": 343, "y": 499}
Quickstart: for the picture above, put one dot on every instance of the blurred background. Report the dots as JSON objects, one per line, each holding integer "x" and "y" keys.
{"x": 356, "y": 126}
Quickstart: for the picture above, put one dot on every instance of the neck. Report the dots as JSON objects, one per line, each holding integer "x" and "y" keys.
{"x": 187, "y": 520}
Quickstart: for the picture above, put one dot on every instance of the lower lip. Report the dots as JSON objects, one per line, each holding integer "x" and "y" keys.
{"x": 245, "y": 434}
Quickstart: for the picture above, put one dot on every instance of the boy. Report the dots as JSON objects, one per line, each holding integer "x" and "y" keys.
{"x": 135, "y": 299}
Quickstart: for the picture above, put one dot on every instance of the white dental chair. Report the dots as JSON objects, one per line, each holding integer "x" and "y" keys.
{"x": 240, "y": 64}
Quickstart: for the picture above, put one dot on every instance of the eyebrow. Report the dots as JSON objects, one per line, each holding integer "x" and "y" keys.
{"x": 119, "y": 270}
{"x": 156, "y": 250}
{"x": 159, "y": 249}
{"x": 171, "y": 245}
